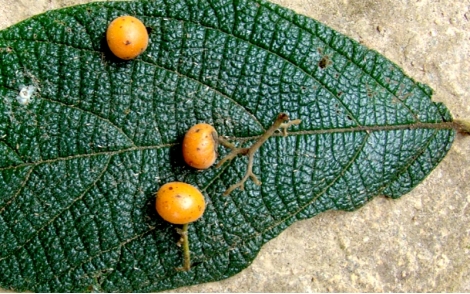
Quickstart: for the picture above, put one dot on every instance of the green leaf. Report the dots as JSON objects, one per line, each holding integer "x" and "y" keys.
{"x": 80, "y": 164}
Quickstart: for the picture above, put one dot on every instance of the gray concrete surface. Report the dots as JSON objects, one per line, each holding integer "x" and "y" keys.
{"x": 420, "y": 242}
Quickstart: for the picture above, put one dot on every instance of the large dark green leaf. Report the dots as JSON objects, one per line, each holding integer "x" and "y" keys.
{"x": 80, "y": 164}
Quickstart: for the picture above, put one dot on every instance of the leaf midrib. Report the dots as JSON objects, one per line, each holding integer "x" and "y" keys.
{"x": 367, "y": 129}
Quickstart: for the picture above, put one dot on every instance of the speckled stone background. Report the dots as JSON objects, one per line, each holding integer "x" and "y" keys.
{"x": 420, "y": 242}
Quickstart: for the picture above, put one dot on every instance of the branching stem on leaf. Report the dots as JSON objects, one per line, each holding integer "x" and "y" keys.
{"x": 281, "y": 122}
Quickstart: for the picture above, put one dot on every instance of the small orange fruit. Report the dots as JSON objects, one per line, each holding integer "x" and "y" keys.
{"x": 127, "y": 37}
{"x": 200, "y": 146}
{"x": 180, "y": 203}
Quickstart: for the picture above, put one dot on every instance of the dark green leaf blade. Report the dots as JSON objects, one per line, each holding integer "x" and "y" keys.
{"x": 81, "y": 163}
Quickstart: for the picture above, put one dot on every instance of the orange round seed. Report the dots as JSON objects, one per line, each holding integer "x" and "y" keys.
{"x": 180, "y": 203}
{"x": 127, "y": 37}
{"x": 200, "y": 146}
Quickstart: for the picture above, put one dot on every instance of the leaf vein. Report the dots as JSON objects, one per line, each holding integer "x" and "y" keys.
{"x": 62, "y": 211}
{"x": 21, "y": 187}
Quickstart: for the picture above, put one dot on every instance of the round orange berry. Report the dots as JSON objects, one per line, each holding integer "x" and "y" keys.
{"x": 200, "y": 146}
{"x": 127, "y": 37}
{"x": 180, "y": 203}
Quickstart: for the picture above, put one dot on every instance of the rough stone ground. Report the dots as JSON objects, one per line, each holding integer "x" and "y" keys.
{"x": 420, "y": 242}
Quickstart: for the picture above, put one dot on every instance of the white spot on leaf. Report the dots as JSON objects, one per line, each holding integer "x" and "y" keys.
{"x": 25, "y": 95}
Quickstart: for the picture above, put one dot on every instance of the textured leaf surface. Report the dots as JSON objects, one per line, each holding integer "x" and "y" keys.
{"x": 80, "y": 164}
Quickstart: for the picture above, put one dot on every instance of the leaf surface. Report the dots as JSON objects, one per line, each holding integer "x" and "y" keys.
{"x": 80, "y": 164}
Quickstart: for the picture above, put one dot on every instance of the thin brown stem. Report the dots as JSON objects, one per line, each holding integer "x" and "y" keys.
{"x": 281, "y": 122}
{"x": 184, "y": 241}
{"x": 234, "y": 153}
